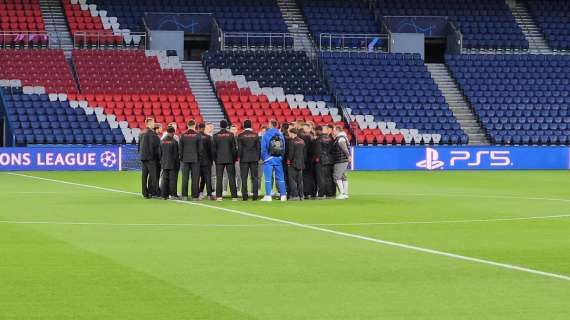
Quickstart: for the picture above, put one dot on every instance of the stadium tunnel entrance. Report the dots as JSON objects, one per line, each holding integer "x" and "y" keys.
{"x": 195, "y": 46}
{"x": 435, "y": 49}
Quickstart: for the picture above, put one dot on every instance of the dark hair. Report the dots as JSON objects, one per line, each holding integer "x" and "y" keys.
{"x": 293, "y": 131}
{"x": 318, "y": 128}
{"x": 202, "y": 126}
{"x": 330, "y": 126}
{"x": 170, "y": 129}
{"x": 285, "y": 127}
{"x": 247, "y": 124}
{"x": 223, "y": 124}
{"x": 274, "y": 123}
{"x": 191, "y": 123}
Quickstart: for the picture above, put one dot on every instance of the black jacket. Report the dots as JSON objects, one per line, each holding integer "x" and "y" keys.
{"x": 149, "y": 143}
{"x": 224, "y": 147}
{"x": 249, "y": 146}
{"x": 323, "y": 149}
{"x": 206, "y": 157}
{"x": 296, "y": 154}
{"x": 308, "y": 139}
{"x": 168, "y": 153}
{"x": 190, "y": 147}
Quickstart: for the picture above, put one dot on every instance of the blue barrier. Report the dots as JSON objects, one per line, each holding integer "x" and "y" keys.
{"x": 461, "y": 158}
{"x": 61, "y": 159}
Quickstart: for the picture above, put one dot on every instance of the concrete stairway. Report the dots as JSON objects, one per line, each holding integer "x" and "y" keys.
{"x": 56, "y": 25}
{"x": 458, "y": 104}
{"x": 199, "y": 81}
{"x": 296, "y": 25}
{"x": 536, "y": 41}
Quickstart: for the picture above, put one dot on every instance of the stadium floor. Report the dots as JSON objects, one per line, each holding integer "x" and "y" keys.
{"x": 407, "y": 245}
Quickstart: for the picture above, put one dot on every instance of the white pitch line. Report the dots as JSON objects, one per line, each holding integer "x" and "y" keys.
{"x": 465, "y": 195}
{"x": 330, "y": 231}
{"x": 258, "y": 225}
{"x": 88, "y": 223}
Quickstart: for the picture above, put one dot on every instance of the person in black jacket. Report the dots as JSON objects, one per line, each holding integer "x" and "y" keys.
{"x": 190, "y": 150}
{"x": 324, "y": 161}
{"x": 149, "y": 144}
{"x": 249, "y": 149}
{"x": 169, "y": 163}
{"x": 285, "y": 132}
{"x": 225, "y": 153}
{"x": 309, "y": 184}
{"x": 206, "y": 162}
{"x": 296, "y": 164}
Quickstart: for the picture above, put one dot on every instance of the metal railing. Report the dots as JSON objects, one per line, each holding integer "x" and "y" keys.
{"x": 248, "y": 40}
{"x": 101, "y": 40}
{"x": 24, "y": 39}
{"x": 353, "y": 42}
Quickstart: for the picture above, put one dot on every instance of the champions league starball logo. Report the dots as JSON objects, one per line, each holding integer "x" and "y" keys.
{"x": 108, "y": 159}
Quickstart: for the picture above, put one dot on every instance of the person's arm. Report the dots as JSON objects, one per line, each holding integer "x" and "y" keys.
{"x": 258, "y": 146}
{"x": 214, "y": 146}
{"x": 283, "y": 143}
{"x": 264, "y": 147}
{"x": 181, "y": 148}
{"x": 343, "y": 144}
{"x": 240, "y": 146}
{"x": 200, "y": 147}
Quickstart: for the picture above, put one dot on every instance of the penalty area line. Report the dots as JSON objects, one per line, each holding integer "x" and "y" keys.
{"x": 330, "y": 231}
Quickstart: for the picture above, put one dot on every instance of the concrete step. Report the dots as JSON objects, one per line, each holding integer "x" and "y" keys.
{"x": 457, "y": 103}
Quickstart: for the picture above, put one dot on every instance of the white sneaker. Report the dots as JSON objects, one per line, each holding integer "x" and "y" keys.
{"x": 340, "y": 197}
{"x": 283, "y": 198}
{"x": 267, "y": 199}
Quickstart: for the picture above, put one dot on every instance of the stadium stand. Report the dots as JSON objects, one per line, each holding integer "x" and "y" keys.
{"x": 21, "y": 24}
{"x": 391, "y": 98}
{"x": 51, "y": 119}
{"x": 45, "y": 68}
{"x": 129, "y": 85}
{"x": 340, "y": 17}
{"x": 21, "y": 15}
{"x": 270, "y": 84}
{"x": 484, "y": 24}
{"x": 552, "y": 17}
{"x": 233, "y": 15}
{"x": 519, "y": 99}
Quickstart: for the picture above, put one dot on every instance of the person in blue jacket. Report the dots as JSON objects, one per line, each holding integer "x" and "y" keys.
{"x": 272, "y": 152}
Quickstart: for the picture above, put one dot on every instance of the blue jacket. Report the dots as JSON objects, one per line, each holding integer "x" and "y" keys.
{"x": 265, "y": 156}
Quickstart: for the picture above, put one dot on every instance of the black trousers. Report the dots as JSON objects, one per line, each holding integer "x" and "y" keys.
{"x": 309, "y": 183}
{"x": 247, "y": 168}
{"x": 295, "y": 182}
{"x": 190, "y": 170}
{"x": 169, "y": 182}
{"x": 206, "y": 179}
{"x": 149, "y": 178}
{"x": 231, "y": 172}
{"x": 325, "y": 183}
{"x": 286, "y": 175}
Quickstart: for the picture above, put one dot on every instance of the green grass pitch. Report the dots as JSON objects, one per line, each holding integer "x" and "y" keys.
{"x": 71, "y": 251}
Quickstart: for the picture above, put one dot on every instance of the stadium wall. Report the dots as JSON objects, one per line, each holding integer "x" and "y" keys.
{"x": 460, "y": 158}
{"x": 118, "y": 158}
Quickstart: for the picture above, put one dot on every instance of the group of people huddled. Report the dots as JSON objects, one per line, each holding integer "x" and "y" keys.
{"x": 302, "y": 160}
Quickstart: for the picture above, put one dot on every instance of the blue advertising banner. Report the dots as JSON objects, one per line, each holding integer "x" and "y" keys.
{"x": 61, "y": 159}
{"x": 461, "y": 158}
{"x": 195, "y": 23}
{"x": 430, "y": 26}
